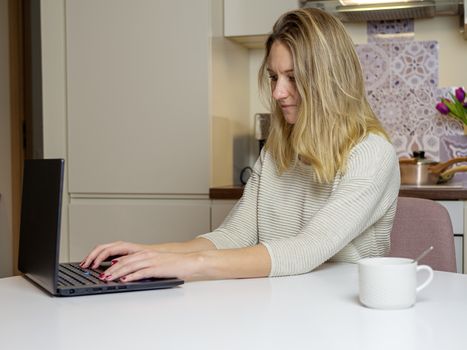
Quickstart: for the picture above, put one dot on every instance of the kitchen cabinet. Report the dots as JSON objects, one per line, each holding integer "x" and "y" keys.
{"x": 138, "y": 96}
{"x": 219, "y": 211}
{"x": 456, "y": 212}
{"x": 138, "y": 121}
{"x": 127, "y": 94}
{"x": 246, "y": 19}
{"x": 94, "y": 221}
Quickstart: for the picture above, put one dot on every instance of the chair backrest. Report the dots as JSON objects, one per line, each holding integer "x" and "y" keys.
{"x": 420, "y": 223}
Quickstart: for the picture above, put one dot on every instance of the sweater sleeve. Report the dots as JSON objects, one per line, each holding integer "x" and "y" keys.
{"x": 366, "y": 192}
{"x": 239, "y": 228}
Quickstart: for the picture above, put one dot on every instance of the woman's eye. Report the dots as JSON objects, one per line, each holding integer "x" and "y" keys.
{"x": 292, "y": 78}
{"x": 273, "y": 77}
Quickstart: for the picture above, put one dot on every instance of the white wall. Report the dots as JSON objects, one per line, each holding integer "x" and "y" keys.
{"x": 452, "y": 48}
{"x": 5, "y": 148}
{"x": 230, "y": 119}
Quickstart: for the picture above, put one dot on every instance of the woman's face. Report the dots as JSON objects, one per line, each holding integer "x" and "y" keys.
{"x": 281, "y": 73}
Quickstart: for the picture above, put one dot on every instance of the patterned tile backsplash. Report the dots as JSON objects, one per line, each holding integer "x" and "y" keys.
{"x": 413, "y": 64}
{"x": 402, "y": 76}
{"x": 390, "y": 30}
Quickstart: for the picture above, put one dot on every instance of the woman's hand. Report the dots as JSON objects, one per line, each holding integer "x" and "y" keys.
{"x": 193, "y": 260}
{"x": 149, "y": 263}
{"x": 103, "y": 251}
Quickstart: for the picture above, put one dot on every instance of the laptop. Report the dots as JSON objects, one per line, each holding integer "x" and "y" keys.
{"x": 39, "y": 243}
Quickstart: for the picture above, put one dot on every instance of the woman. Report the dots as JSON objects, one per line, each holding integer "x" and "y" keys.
{"x": 324, "y": 188}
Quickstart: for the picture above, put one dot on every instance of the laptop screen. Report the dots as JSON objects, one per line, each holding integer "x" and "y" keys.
{"x": 40, "y": 220}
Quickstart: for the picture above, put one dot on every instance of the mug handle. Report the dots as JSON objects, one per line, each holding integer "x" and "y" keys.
{"x": 428, "y": 280}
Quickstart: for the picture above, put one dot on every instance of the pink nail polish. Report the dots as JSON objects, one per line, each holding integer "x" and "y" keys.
{"x": 114, "y": 262}
{"x": 108, "y": 277}
{"x": 123, "y": 278}
{"x": 102, "y": 275}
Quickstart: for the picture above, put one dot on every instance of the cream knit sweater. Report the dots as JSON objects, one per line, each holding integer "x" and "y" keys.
{"x": 303, "y": 223}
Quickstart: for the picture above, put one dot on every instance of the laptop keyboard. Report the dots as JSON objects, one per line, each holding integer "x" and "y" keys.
{"x": 74, "y": 275}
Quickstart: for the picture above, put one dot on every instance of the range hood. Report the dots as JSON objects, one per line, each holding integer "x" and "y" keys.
{"x": 379, "y": 10}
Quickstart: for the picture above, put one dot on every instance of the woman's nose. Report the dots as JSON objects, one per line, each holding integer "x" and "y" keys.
{"x": 280, "y": 91}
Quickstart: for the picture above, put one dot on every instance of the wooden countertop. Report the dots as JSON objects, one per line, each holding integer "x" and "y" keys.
{"x": 226, "y": 192}
{"x": 441, "y": 193}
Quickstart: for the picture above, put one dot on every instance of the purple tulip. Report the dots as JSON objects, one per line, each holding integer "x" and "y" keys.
{"x": 460, "y": 94}
{"x": 442, "y": 108}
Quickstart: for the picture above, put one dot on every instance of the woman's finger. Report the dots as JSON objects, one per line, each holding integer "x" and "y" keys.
{"x": 102, "y": 252}
{"x": 117, "y": 248}
{"x": 93, "y": 254}
{"x": 129, "y": 264}
{"x": 138, "y": 275}
{"x": 151, "y": 264}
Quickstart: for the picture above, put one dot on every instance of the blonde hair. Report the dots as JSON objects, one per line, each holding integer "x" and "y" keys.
{"x": 334, "y": 114}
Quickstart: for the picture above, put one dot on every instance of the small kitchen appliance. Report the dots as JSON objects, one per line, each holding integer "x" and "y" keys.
{"x": 262, "y": 123}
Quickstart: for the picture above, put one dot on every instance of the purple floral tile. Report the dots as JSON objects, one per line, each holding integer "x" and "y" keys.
{"x": 397, "y": 30}
{"x": 414, "y": 64}
{"x": 410, "y": 117}
{"x": 401, "y": 80}
{"x": 375, "y": 63}
{"x": 406, "y": 111}
{"x": 390, "y": 27}
{"x": 453, "y": 146}
{"x": 406, "y": 144}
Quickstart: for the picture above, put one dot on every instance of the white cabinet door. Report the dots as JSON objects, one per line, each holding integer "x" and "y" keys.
{"x": 96, "y": 221}
{"x": 138, "y": 96}
{"x": 459, "y": 246}
{"x": 456, "y": 212}
{"x": 219, "y": 211}
{"x": 253, "y": 17}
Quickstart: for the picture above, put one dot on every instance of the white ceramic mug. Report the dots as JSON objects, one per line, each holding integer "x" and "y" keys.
{"x": 390, "y": 283}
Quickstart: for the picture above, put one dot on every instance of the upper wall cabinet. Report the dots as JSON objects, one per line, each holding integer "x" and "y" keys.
{"x": 246, "y": 18}
{"x": 138, "y": 96}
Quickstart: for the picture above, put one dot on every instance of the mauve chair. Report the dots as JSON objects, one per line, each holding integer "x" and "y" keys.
{"x": 419, "y": 224}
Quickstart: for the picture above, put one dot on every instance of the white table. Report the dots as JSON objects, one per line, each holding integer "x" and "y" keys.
{"x": 319, "y": 310}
